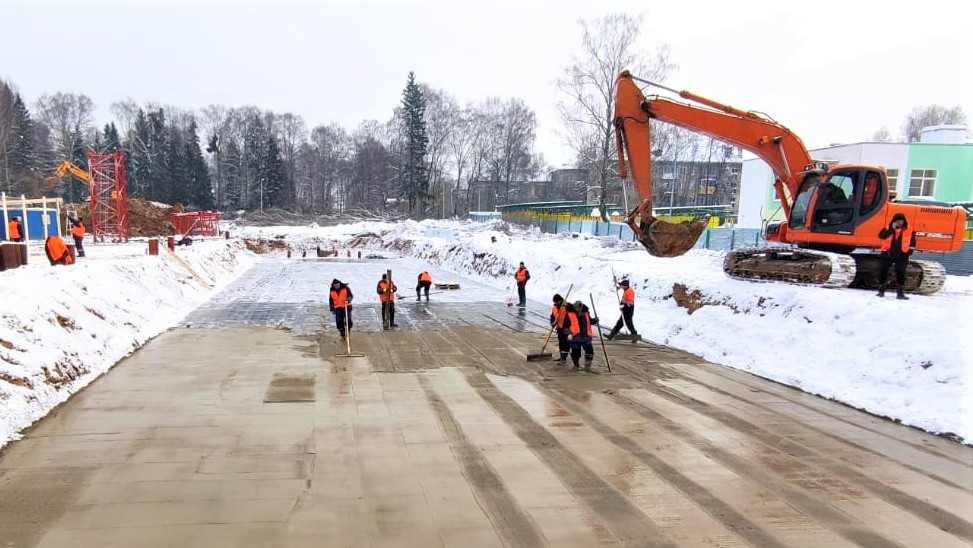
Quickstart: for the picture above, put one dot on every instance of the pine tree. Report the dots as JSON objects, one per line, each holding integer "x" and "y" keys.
{"x": 199, "y": 188}
{"x": 273, "y": 174}
{"x": 137, "y": 162}
{"x": 110, "y": 139}
{"x": 22, "y": 141}
{"x": 157, "y": 178}
{"x": 176, "y": 168}
{"x": 232, "y": 176}
{"x": 414, "y": 176}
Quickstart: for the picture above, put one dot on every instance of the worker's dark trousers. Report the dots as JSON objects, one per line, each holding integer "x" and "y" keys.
{"x": 626, "y": 319}
{"x": 421, "y": 286}
{"x": 79, "y": 246}
{"x": 339, "y": 319}
{"x": 883, "y": 273}
{"x": 388, "y": 313}
{"x": 563, "y": 345}
{"x": 582, "y": 343}
{"x": 522, "y": 293}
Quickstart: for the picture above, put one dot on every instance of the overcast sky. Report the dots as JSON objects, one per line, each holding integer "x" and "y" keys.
{"x": 831, "y": 71}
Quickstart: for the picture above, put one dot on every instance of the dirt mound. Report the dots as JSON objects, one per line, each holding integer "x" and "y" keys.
{"x": 145, "y": 218}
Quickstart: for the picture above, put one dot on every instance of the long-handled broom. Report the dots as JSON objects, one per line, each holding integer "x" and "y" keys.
{"x": 600, "y": 336}
{"x": 348, "y": 354}
{"x": 548, "y": 355}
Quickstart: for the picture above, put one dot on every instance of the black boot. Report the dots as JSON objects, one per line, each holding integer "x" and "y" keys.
{"x": 881, "y": 291}
{"x": 587, "y": 364}
{"x": 901, "y": 295}
{"x": 611, "y": 335}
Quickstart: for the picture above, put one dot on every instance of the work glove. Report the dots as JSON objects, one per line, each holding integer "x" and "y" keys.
{"x": 594, "y": 321}
{"x": 621, "y": 307}
{"x": 570, "y": 337}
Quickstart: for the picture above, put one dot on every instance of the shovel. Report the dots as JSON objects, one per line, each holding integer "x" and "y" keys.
{"x": 548, "y": 355}
{"x": 348, "y": 354}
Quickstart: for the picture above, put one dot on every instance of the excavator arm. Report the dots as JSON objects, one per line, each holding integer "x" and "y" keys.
{"x": 783, "y": 151}
{"x": 62, "y": 170}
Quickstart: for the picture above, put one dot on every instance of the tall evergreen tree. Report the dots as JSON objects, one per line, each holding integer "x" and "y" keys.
{"x": 137, "y": 161}
{"x": 22, "y": 141}
{"x": 110, "y": 140}
{"x": 199, "y": 189}
{"x": 414, "y": 176}
{"x": 176, "y": 168}
{"x": 157, "y": 177}
{"x": 232, "y": 176}
{"x": 273, "y": 174}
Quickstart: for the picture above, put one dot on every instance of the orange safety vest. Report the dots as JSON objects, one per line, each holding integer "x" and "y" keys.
{"x": 57, "y": 250}
{"x": 575, "y": 327}
{"x": 521, "y": 275}
{"x": 628, "y": 296}
{"x": 906, "y": 234}
{"x": 559, "y": 313}
{"x": 13, "y": 230}
{"x": 383, "y": 291}
{"x": 340, "y": 298}
{"x": 425, "y": 277}
{"x": 78, "y": 230}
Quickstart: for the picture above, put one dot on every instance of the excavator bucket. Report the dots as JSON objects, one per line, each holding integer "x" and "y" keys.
{"x": 664, "y": 239}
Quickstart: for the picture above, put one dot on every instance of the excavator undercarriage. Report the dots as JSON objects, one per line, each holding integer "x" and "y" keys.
{"x": 825, "y": 269}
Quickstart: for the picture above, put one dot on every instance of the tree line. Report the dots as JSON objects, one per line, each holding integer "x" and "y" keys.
{"x": 419, "y": 162}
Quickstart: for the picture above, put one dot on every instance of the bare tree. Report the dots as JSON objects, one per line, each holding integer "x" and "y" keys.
{"x": 462, "y": 145}
{"x": 933, "y": 115}
{"x": 69, "y": 117}
{"x": 442, "y": 114}
{"x": 589, "y": 89}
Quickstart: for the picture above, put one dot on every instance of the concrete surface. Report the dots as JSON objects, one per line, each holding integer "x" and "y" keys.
{"x": 243, "y": 428}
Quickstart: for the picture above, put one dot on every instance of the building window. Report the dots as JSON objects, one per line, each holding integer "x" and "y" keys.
{"x": 893, "y": 176}
{"x": 923, "y": 182}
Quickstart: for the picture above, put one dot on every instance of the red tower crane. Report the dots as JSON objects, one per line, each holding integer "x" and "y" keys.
{"x": 109, "y": 197}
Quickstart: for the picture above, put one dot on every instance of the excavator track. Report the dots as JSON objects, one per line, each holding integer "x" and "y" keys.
{"x": 798, "y": 266}
{"x": 825, "y": 269}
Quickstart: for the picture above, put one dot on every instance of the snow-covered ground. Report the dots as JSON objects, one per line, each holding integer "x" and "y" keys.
{"x": 907, "y": 360}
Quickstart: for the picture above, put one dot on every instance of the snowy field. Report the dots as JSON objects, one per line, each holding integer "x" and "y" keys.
{"x": 906, "y": 360}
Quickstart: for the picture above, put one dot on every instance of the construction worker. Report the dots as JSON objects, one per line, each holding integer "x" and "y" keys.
{"x": 627, "y": 306}
{"x": 521, "y": 276}
{"x": 339, "y": 302}
{"x": 577, "y": 327}
{"x": 57, "y": 251}
{"x": 425, "y": 281}
{"x": 15, "y": 231}
{"x": 558, "y": 314}
{"x": 77, "y": 232}
{"x": 386, "y": 294}
{"x": 898, "y": 243}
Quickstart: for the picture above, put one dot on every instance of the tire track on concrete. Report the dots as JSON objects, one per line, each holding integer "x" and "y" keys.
{"x": 629, "y": 525}
{"x": 715, "y": 371}
{"x": 799, "y": 499}
{"x": 939, "y": 517}
{"x": 695, "y": 403}
{"x": 732, "y": 519}
{"x": 514, "y": 526}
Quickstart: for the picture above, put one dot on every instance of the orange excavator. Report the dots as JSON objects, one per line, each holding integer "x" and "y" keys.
{"x": 833, "y": 212}
{"x": 65, "y": 168}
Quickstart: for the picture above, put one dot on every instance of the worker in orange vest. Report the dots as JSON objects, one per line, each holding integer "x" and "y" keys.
{"x": 77, "y": 232}
{"x": 339, "y": 302}
{"x": 14, "y": 232}
{"x": 577, "y": 326}
{"x": 386, "y": 295}
{"x": 558, "y": 315}
{"x": 898, "y": 243}
{"x": 627, "y": 306}
{"x": 57, "y": 251}
{"x": 425, "y": 281}
{"x": 521, "y": 276}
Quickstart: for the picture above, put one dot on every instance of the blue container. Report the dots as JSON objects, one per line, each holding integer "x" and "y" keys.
{"x": 34, "y": 224}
